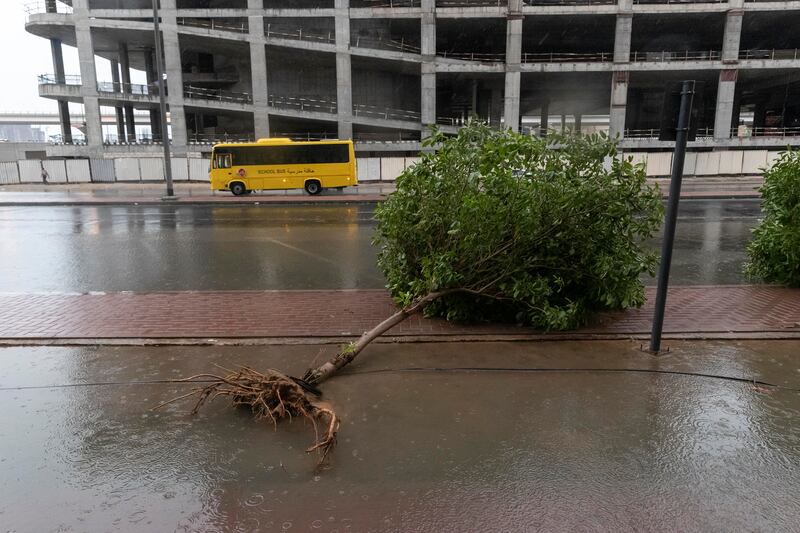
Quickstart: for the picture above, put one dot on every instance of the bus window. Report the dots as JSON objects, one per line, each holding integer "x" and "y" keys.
{"x": 223, "y": 161}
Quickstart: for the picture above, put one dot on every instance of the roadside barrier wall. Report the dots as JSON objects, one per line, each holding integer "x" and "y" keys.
{"x": 370, "y": 169}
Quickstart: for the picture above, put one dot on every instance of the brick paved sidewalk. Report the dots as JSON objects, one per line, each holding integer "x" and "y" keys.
{"x": 713, "y": 311}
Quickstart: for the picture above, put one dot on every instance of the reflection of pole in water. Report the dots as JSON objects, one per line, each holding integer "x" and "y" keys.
{"x": 712, "y": 232}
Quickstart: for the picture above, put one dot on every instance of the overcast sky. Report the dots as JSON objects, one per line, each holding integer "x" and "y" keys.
{"x": 25, "y": 56}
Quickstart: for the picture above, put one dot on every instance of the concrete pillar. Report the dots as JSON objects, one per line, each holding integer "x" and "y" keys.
{"x": 91, "y": 102}
{"x": 258, "y": 71}
{"x": 619, "y": 102}
{"x": 620, "y": 78}
{"x": 428, "y": 66}
{"x": 512, "y": 67}
{"x": 66, "y": 123}
{"x": 732, "y": 36}
{"x": 63, "y": 105}
{"x": 544, "y": 118}
{"x": 118, "y": 109}
{"x": 173, "y": 68}
{"x": 622, "y": 38}
{"x": 578, "y": 122}
{"x": 58, "y": 60}
{"x": 155, "y": 114}
{"x": 726, "y": 91}
{"x": 125, "y": 67}
{"x": 563, "y": 122}
{"x": 496, "y": 107}
{"x": 344, "y": 75}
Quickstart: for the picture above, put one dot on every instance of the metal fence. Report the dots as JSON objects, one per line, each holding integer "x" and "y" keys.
{"x": 310, "y": 103}
{"x": 215, "y": 24}
{"x": 390, "y": 3}
{"x": 52, "y": 79}
{"x": 686, "y": 55}
{"x": 652, "y": 133}
{"x": 387, "y": 113}
{"x": 126, "y": 88}
{"x": 217, "y": 95}
{"x": 46, "y": 6}
{"x": 790, "y": 53}
{"x": 298, "y": 34}
{"x": 482, "y": 57}
{"x": 400, "y": 45}
{"x": 765, "y": 131}
{"x": 558, "y": 57}
{"x": 216, "y": 138}
{"x": 570, "y": 2}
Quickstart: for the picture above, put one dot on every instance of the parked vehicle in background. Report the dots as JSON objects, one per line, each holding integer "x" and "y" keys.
{"x": 280, "y": 163}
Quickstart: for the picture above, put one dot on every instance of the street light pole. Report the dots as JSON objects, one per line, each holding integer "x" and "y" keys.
{"x": 681, "y": 137}
{"x": 162, "y": 103}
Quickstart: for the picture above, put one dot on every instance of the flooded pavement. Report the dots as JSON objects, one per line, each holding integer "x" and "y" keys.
{"x": 139, "y": 248}
{"x": 437, "y": 437}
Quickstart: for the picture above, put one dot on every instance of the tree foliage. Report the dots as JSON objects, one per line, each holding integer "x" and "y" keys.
{"x": 535, "y": 231}
{"x": 774, "y": 251}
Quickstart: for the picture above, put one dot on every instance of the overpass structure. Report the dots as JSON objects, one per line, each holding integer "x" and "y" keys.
{"x": 383, "y": 71}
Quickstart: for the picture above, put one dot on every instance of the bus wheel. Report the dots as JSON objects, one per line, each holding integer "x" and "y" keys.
{"x": 313, "y": 187}
{"x": 238, "y": 188}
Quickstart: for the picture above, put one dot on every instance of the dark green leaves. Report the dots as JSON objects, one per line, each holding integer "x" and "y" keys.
{"x": 774, "y": 251}
{"x": 546, "y": 230}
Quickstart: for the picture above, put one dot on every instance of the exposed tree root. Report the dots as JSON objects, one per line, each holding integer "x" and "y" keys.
{"x": 274, "y": 395}
{"x": 270, "y": 395}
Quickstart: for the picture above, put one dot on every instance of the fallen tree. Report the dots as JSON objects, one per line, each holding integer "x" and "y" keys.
{"x": 493, "y": 226}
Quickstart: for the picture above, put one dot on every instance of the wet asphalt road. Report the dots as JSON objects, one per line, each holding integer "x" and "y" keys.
{"x": 138, "y": 248}
{"x": 566, "y": 436}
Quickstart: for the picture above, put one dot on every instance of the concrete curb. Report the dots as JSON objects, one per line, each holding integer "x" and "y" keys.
{"x": 421, "y": 339}
{"x": 290, "y": 200}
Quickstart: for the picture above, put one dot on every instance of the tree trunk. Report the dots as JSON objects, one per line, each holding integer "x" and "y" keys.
{"x": 315, "y": 376}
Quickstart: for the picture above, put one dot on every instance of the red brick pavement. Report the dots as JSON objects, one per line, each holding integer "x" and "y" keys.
{"x": 242, "y": 314}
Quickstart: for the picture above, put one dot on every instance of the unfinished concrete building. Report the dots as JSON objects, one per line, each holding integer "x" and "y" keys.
{"x": 382, "y": 71}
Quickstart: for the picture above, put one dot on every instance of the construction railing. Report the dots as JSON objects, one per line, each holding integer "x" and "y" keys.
{"x": 451, "y": 121}
{"x": 214, "y": 24}
{"x": 306, "y": 136}
{"x": 569, "y": 2}
{"x": 321, "y": 104}
{"x": 790, "y": 53}
{"x": 650, "y": 133}
{"x": 298, "y": 35}
{"x": 559, "y": 57}
{"x": 471, "y": 3}
{"x": 115, "y": 140}
{"x": 765, "y": 131}
{"x": 110, "y": 87}
{"x": 46, "y": 6}
{"x": 51, "y": 79}
{"x": 686, "y": 55}
{"x": 400, "y": 45}
{"x": 473, "y": 56}
{"x": 680, "y": 1}
{"x": 386, "y": 113}
{"x": 218, "y": 95}
{"x": 215, "y": 138}
{"x": 390, "y": 3}
{"x": 403, "y": 136}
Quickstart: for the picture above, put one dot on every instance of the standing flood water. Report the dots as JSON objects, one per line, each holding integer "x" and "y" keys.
{"x": 568, "y": 436}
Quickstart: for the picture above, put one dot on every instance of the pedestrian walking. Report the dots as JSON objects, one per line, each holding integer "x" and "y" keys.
{"x": 45, "y": 175}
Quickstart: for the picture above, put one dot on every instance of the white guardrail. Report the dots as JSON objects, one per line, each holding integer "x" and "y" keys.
{"x": 148, "y": 169}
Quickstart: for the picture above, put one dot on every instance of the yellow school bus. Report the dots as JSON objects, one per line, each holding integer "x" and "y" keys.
{"x": 279, "y": 163}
